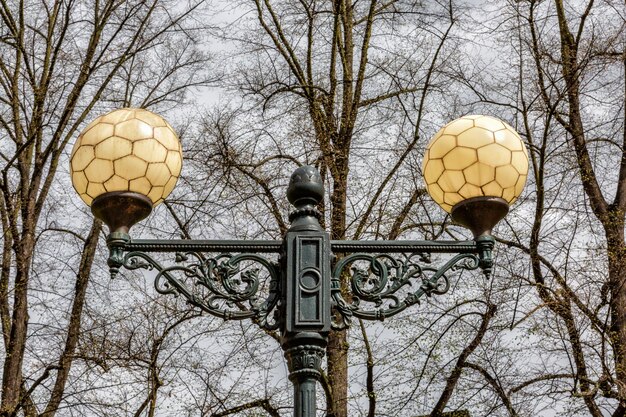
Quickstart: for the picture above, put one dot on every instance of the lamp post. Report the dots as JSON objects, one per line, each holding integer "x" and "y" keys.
{"x": 128, "y": 160}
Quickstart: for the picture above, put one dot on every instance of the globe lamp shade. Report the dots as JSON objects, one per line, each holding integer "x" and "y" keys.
{"x": 476, "y": 166}
{"x": 124, "y": 163}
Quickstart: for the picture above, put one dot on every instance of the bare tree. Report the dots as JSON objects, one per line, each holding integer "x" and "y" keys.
{"x": 354, "y": 88}
{"x": 567, "y": 96}
{"x": 59, "y": 61}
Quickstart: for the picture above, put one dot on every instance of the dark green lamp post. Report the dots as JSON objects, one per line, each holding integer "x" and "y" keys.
{"x": 127, "y": 161}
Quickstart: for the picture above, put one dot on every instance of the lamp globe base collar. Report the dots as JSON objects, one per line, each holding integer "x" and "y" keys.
{"x": 120, "y": 210}
{"x": 480, "y": 214}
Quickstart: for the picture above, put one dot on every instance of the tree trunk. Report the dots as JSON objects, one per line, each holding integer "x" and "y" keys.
{"x": 611, "y": 216}
{"x": 338, "y": 347}
{"x": 12, "y": 372}
{"x": 338, "y": 373}
{"x": 73, "y": 331}
{"x": 616, "y": 253}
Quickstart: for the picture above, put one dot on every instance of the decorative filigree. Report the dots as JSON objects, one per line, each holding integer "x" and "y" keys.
{"x": 378, "y": 282}
{"x": 381, "y": 285}
{"x": 233, "y": 287}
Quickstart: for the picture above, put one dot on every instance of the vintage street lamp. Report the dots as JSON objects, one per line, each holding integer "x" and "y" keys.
{"x": 127, "y": 161}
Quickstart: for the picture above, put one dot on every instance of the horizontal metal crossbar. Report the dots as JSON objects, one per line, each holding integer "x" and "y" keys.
{"x": 274, "y": 246}
{"x": 403, "y": 246}
{"x": 189, "y": 245}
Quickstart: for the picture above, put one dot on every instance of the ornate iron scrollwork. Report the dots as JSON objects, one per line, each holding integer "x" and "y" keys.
{"x": 230, "y": 286}
{"x": 382, "y": 280}
{"x": 381, "y": 285}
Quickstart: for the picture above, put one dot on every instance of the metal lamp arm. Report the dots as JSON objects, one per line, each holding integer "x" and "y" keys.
{"x": 217, "y": 285}
{"x": 382, "y": 284}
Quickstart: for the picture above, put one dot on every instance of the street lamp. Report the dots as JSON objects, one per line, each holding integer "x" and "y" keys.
{"x": 127, "y": 161}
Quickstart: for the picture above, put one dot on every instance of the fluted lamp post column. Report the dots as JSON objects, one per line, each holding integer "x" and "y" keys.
{"x": 127, "y": 161}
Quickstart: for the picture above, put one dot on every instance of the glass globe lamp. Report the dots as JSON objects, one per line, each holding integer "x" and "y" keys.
{"x": 124, "y": 163}
{"x": 475, "y": 167}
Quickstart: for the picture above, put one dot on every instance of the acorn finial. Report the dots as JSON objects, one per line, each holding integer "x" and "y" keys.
{"x": 305, "y": 187}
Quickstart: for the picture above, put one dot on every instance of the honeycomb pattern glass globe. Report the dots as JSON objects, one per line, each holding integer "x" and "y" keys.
{"x": 126, "y": 150}
{"x": 475, "y": 156}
